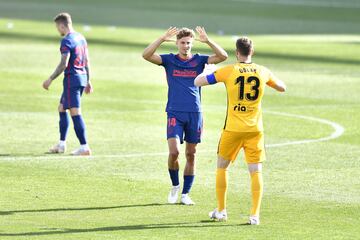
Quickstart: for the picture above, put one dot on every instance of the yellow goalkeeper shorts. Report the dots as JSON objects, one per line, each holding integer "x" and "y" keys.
{"x": 232, "y": 142}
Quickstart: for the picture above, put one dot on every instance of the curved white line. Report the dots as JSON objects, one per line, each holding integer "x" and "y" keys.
{"x": 338, "y": 131}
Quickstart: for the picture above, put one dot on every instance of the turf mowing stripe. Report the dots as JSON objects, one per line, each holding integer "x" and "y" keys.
{"x": 338, "y": 131}
{"x": 326, "y": 4}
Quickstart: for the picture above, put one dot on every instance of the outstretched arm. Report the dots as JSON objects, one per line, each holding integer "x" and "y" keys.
{"x": 149, "y": 52}
{"x": 202, "y": 79}
{"x": 277, "y": 84}
{"x": 220, "y": 54}
{"x": 59, "y": 69}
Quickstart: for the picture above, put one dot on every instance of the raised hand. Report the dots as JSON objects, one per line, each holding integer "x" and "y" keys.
{"x": 170, "y": 33}
{"x": 203, "y": 37}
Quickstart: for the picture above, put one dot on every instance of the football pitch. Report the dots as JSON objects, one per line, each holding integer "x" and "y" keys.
{"x": 312, "y": 172}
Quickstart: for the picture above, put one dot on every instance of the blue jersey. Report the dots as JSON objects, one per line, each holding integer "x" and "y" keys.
{"x": 75, "y": 73}
{"x": 183, "y": 95}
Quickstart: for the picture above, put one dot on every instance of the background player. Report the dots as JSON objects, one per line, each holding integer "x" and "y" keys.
{"x": 76, "y": 67}
{"x": 183, "y": 106}
{"x": 245, "y": 84}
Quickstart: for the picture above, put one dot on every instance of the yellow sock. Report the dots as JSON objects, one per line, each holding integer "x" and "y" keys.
{"x": 257, "y": 191}
{"x": 221, "y": 187}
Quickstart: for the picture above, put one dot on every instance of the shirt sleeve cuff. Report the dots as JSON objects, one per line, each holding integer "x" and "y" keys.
{"x": 271, "y": 83}
{"x": 211, "y": 79}
{"x": 64, "y": 50}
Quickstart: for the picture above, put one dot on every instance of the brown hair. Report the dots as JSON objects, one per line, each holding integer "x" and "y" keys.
{"x": 185, "y": 32}
{"x": 63, "y": 18}
{"x": 244, "y": 46}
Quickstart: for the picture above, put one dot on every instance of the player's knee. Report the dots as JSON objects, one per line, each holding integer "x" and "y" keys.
{"x": 190, "y": 154}
{"x": 174, "y": 154}
{"x": 222, "y": 163}
{"x": 61, "y": 108}
{"x": 75, "y": 111}
{"x": 255, "y": 167}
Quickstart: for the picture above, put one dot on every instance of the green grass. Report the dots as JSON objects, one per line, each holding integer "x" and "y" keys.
{"x": 311, "y": 190}
{"x": 228, "y": 16}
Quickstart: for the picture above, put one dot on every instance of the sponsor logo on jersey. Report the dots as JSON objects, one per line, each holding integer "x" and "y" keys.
{"x": 184, "y": 73}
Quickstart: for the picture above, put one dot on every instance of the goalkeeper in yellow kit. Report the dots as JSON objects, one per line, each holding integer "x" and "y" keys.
{"x": 245, "y": 84}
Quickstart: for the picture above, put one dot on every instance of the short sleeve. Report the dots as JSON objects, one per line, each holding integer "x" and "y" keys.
{"x": 204, "y": 59}
{"x": 165, "y": 59}
{"x": 65, "y": 46}
{"x": 271, "y": 79}
{"x": 220, "y": 75}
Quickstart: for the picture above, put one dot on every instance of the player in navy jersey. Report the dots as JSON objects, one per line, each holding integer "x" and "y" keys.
{"x": 76, "y": 67}
{"x": 184, "y": 117}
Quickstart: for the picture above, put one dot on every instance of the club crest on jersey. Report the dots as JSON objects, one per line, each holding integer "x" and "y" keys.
{"x": 193, "y": 63}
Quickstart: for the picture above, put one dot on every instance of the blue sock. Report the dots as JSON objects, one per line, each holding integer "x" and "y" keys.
{"x": 79, "y": 127}
{"x": 188, "y": 181}
{"x": 63, "y": 125}
{"x": 174, "y": 175}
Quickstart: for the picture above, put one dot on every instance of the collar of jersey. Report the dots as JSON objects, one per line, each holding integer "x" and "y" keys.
{"x": 188, "y": 60}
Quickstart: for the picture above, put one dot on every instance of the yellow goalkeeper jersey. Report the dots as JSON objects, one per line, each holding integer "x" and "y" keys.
{"x": 245, "y": 85}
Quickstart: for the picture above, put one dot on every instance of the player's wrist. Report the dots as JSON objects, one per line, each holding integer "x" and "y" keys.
{"x": 163, "y": 38}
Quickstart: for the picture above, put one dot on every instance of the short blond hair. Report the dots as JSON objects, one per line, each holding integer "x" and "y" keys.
{"x": 185, "y": 32}
{"x": 244, "y": 46}
{"x": 63, "y": 18}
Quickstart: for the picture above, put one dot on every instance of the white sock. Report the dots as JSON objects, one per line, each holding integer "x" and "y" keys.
{"x": 62, "y": 143}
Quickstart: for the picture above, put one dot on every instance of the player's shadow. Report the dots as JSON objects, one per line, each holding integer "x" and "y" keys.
{"x": 212, "y": 221}
{"x": 81, "y": 208}
{"x": 55, "y": 231}
{"x": 52, "y": 231}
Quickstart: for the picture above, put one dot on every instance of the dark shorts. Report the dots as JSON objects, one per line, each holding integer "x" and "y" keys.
{"x": 186, "y": 126}
{"x": 71, "y": 97}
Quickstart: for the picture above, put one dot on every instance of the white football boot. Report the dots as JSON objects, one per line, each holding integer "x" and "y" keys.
{"x": 174, "y": 194}
{"x": 219, "y": 216}
{"x": 82, "y": 151}
{"x": 186, "y": 200}
{"x": 254, "y": 220}
{"x": 58, "y": 148}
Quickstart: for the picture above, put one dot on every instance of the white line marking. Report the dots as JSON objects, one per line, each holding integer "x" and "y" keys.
{"x": 338, "y": 131}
